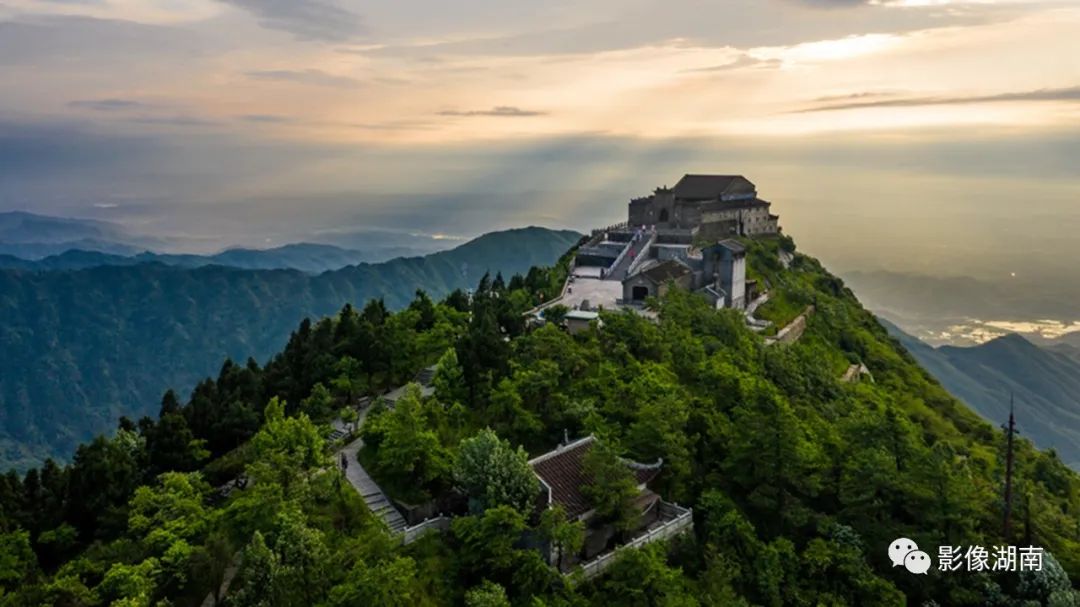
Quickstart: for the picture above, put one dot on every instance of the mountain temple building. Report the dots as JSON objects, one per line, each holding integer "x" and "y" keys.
{"x": 691, "y": 236}
{"x": 715, "y": 206}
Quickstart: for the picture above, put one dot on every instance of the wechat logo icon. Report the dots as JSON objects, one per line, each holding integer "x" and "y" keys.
{"x": 905, "y": 552}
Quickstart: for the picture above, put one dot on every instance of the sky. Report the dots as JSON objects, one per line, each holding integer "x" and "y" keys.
{"x": 935, "y": 136}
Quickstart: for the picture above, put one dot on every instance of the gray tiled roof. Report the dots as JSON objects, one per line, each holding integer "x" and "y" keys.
{"x": 706, "y": 187}
{"x": 563, "y": 472}
{"x": 665, "y": 271}
{"x": 730, "y": 205}
{"x": 732, "y": 245}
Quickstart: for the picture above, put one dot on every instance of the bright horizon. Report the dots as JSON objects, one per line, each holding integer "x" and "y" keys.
{"x": 916, "y": 125}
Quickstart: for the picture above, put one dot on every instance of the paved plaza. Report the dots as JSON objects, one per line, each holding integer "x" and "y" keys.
{"x": 599, "y": 293}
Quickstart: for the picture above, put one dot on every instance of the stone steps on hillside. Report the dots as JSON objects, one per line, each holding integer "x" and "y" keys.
{"x": 377, "y": 502}
{"x": 426, "y": 376}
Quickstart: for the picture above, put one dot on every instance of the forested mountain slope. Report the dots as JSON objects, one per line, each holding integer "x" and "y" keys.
{"x": 79, "y": 349}
{"x": 1045, "y": 384}
{"x": 798, "y": 481}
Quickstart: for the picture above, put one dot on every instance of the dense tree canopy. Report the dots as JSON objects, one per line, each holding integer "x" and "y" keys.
{"x": 83, "y": 346}
{"x": 494, "y": 473}
{"x": 797, "y": 481}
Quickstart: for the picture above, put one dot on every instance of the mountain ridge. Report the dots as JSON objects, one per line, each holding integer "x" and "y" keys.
{"x": 1044, "y": 382}
{"x": 798, "y": 480}
{"x": 61, "y": 243}
{"x": 313, "y": 258}
{"x": 106, "y": 341}
{"x": 31, "y": 238}
{"x": 25, "y": 227}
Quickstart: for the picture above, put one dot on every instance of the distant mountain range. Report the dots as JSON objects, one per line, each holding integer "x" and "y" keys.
{"x": 1045, "y": 382}
{"x": 43, "y": 243}
{"x": 306, "y": 257}
{"x": 31, "y": 236}
{"x": 82, "y": 347}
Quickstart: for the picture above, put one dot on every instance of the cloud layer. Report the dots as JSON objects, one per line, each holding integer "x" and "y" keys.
{"x": 304, "y": 76}
{"x": 305, "y": 19}
{"x": 501, "y": 111}
{"x": 875, "y": 100}
{"x": 234, "y": 120}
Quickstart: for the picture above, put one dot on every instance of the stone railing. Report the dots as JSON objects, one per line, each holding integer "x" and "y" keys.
{"x": 793, "y": 331}
{"x": 607, "y": 247}
{"x": 438, "y": 524}
{"x": 547, "y": 304}
{"x": 607, "y": 252}
{"x": 855, "y": 373}
{"x": 611, "y": 228}
{"x": 642, "y": 252}
{"x": 678, "y": 520}
{"x": 622, "y": 254}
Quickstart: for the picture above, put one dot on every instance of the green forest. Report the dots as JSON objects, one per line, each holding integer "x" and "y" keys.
{"x": 81, "y": 348}
{"x": 798, "y": 481}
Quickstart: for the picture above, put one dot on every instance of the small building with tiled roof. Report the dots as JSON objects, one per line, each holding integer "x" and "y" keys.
{"x": 562, "y": 477}
{"x": 654, "y": 278}
{"x": 577, "y": 321}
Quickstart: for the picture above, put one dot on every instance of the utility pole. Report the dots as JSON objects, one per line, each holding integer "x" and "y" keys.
{"x": 1009, "y": 432}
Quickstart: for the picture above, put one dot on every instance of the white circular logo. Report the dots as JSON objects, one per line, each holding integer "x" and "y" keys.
{"x": 917, "y": 562}
{"x": 899, "y": 548}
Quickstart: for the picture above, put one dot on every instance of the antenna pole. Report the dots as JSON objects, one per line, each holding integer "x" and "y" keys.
{"x": 1009, "y": 432}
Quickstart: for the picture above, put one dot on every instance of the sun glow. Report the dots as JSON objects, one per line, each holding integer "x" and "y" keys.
{"x": 831, "y": 50}
{"x": 443, "y": 87}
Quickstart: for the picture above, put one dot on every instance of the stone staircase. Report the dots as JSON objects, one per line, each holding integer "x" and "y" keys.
{"x": 379, "y": 504}
{"x": 377, "y": 501}
{"x": 625, "y": 262}
{"x": 369, "y": 491}
{"x": 426, "y": 376}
